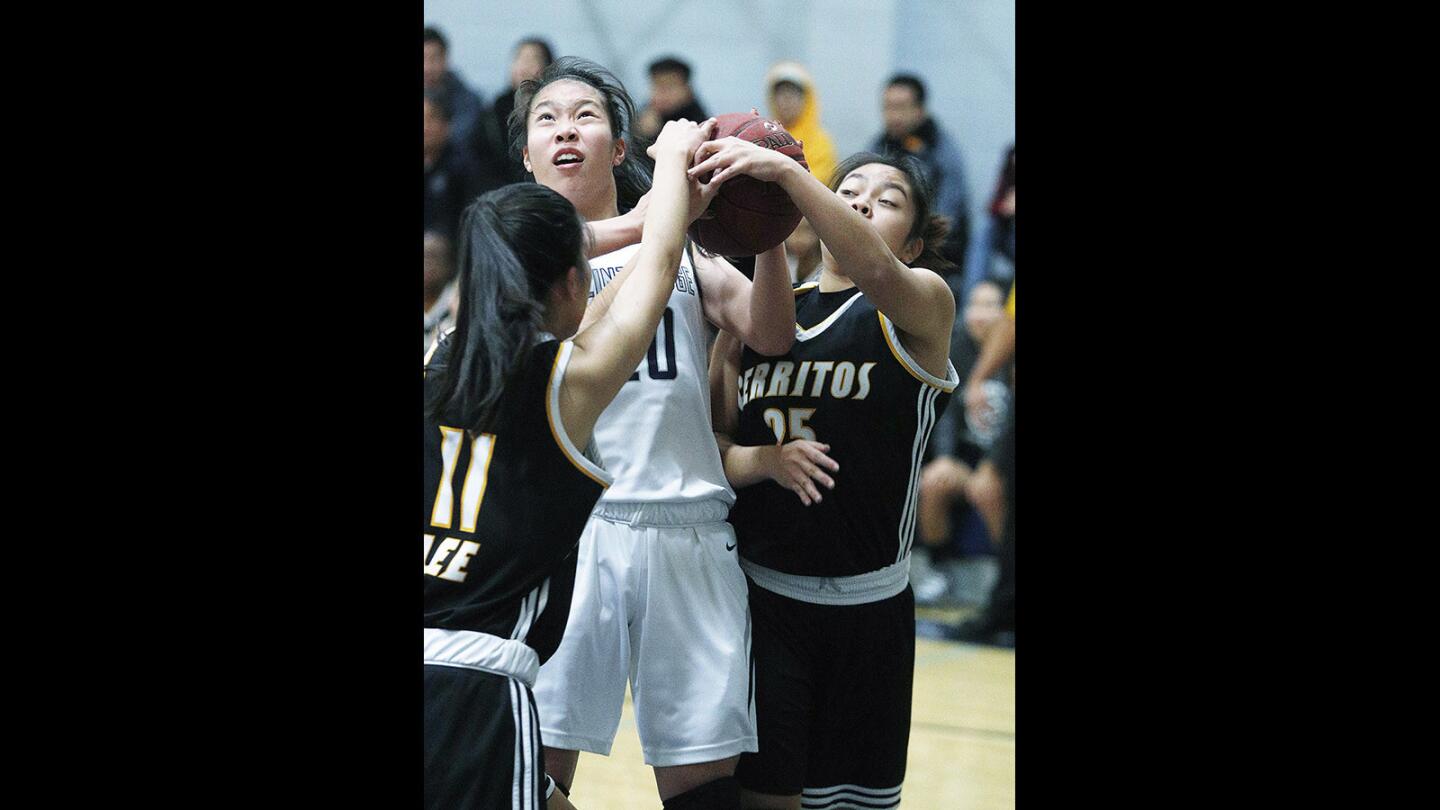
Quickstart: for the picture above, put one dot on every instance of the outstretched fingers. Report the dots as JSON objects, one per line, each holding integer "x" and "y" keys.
{"x": 805, "y": 463}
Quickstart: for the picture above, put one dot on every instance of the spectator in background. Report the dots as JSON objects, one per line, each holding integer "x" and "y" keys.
{"x": 992, "y": 487}
{"x": 532, "y": 56}
{"x": 440, "y": 287}
{"x": 956, "y": 448}
{"x": 464, "y": 106}
{"x": 671, "y": 97}
{"x": 992, "y": 256}
{"x": 791, "y": 96}
{"x": 1002, "y": 210}
{"x": 909, "y": 128}
{"x": 453, "y": 179}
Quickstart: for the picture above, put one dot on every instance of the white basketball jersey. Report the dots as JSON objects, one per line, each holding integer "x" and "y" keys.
{"x": 655, "y": 437}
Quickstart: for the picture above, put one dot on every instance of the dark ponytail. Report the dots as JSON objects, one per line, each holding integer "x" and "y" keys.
{"x": 929, "y": 227}
{"x": 634, "y": 175}
{"x": 515, "y": 243}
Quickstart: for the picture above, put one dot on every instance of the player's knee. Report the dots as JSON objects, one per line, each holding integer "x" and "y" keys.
{"x": 674, "y": 780}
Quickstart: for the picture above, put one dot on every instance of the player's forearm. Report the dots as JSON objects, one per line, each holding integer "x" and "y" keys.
{"x": 842, "y": 229}
{"x": 772, "y": 304}
{"x": 747, "y": 465}
{"x": 609, "y": 235}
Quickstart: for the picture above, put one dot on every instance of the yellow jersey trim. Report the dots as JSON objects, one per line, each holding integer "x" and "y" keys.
{"x": 892, "y": 339}
{"x": 592, "y": 470}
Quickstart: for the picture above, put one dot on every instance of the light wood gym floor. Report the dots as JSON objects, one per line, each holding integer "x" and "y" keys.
{"x": 962, "y": 739}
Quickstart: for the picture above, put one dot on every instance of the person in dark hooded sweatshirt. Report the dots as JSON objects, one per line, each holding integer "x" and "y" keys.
{"x": 909, "y": 129}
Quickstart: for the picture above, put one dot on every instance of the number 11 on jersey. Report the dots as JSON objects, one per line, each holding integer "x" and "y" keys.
{"x": 482, "y": 449}
{"x": 449, "y": 560}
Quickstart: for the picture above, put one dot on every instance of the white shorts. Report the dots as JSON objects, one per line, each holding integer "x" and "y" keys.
{"x": 659, "y": 598}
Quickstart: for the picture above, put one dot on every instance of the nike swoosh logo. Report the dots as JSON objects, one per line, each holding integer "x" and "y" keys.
{"x": 729, "y": 546}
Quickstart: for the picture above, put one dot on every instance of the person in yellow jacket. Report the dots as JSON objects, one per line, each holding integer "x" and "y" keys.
{"x": 793, "y": 101}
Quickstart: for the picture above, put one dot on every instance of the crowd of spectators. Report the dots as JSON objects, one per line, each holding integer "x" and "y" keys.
{"x": 966, "y": 497}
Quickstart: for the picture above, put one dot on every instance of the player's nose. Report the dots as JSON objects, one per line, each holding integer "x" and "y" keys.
{"x": 863, "y": 208}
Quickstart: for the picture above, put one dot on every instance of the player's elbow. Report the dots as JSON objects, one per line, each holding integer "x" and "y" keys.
{"x": 772, "y": 342}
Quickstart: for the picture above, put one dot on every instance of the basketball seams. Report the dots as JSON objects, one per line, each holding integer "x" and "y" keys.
{"x": 750, "y": 212}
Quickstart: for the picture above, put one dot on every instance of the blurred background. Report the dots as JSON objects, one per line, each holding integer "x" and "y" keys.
{"x": 964, "y": 50}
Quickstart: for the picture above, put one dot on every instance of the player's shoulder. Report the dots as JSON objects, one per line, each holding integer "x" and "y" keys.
{"x": 540, "y": 357}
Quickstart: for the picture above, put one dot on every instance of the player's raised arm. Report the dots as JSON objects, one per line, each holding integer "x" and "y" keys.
{"x": 608, "y": 349}
{"x": 616, "y": 232}
{"x": 761, "y": 313}
{"x": 917, "y": 300}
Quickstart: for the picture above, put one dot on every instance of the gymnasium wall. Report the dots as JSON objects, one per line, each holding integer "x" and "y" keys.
{"x": 963, "y": 49}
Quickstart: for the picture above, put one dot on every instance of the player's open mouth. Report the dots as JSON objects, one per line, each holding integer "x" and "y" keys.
{"x": 568, "y": 157}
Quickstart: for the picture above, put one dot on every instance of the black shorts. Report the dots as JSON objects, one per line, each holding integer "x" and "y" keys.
{"x": 832, "y": 700}
{"x": 482, "y": 742}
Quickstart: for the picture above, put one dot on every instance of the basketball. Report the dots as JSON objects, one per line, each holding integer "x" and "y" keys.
{"x": 749, "y": 216}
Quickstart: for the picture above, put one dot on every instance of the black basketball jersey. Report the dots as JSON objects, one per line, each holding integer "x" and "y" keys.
{"x": 504, "y": 510}
{"x": 849, "y": 383}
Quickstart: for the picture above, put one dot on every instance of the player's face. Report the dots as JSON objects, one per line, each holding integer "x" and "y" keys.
{"x": 882, "y": 195}
{"x": 982, "y": 310}
{"x": 568, "y": 145}
{"x": 434, "y": 64}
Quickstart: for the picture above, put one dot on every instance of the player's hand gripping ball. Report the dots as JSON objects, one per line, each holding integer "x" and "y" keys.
{"x": 749, "y": 216}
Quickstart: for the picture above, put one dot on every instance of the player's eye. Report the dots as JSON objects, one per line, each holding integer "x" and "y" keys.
{"x": 544, "y": 117}
{"x": 845, "y": 192}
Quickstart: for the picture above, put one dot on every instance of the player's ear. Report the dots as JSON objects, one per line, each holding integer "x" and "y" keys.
{"x": 525, "y": 158}
{"x": 913, "y": 248}
{"x": 577, "y": 282}
{"x": 620, "y": 147}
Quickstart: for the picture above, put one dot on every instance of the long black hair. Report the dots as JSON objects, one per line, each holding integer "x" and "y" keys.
{"x": 927, "y": 226}
{"x": 515, "y": 242}
{"x": 633, "y": 175}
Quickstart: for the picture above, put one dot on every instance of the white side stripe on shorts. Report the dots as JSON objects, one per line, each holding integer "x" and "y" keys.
{"x": 522, "y": 793}
{"x": 849, "y": 797}
{"x": 517, "y": 797}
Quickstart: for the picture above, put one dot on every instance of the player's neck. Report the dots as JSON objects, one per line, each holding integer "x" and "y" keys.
{"x": 831, "y": 281}
{"x": 600, "y": 205}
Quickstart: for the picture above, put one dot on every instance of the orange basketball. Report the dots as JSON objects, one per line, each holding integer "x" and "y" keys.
{"x": 749, "y": 216}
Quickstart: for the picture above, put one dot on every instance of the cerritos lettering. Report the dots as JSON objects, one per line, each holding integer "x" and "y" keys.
{"x": 813, "y": 378}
